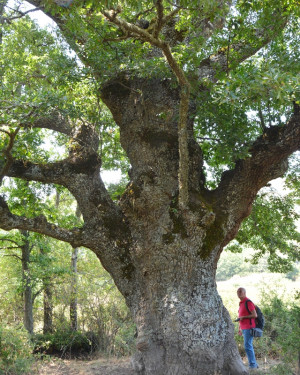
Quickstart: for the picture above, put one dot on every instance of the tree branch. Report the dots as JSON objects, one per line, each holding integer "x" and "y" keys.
{"x": 142, "y": 34}
{"x": 12, "y": 255}
{"x": 40, "y": 4}
{"x": 21, "y": 14}
{"x": 262, "y": 120}
{"x": 34, "y": 295}
{"x": 55, "y": 122}
{"x": 268, "y": 160}
{"x": 39, "y": 224}
{"x": 104, "y": 232}
{"x": 159, "y": 20}
{"x": 223, "y": 61}
{"x": 79, "y": 173}
{"x": 3, "y": 239}
{"x": 7, "y": 152}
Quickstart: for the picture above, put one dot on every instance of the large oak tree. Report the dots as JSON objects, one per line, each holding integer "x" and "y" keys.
{"x": 196, "y": 88}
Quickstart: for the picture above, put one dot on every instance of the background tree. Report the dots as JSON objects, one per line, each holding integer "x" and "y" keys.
{"x": 220, "y": 73}
{"x": 73, "y": 303}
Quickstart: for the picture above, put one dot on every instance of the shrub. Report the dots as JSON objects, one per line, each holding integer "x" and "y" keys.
{"x": 63, "y": 343}
{"x": 284, "y": 331}
{"x": 124, "y": 342}
{"x": 15, "y": 351}
{"x": 281, "y": 334}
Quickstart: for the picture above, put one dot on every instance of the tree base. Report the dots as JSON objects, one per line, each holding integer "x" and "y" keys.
{"x": 157, "y": 365}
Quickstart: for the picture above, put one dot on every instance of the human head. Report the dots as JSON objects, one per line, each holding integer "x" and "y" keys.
{"x": 241, "y": 293}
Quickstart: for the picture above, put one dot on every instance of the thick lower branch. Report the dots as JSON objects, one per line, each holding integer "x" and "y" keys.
{"x": 39, "y": 224}
{"x": 269, "y": 155}
{"x": 54, "y": 122}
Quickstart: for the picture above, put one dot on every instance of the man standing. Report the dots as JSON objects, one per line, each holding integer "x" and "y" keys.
{"x": 247, "y": 321}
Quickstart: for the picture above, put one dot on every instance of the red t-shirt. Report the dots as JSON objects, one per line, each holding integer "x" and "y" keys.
{"x": 246, "y": 323}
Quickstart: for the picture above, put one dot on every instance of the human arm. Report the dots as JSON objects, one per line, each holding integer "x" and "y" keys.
{"x": 248, "y": 311}
{"x": 252, "y": 315}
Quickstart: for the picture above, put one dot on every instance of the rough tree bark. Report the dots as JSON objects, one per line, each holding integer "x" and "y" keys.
{"x": 163, "y": 258}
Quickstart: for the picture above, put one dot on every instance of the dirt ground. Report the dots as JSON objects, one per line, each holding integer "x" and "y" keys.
{"x": 104, "y": 366}
{"x": 108, "y": 366}
{"x": 111, "y": 366}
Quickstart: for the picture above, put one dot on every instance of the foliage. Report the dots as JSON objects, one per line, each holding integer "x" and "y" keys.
{"x": 102, "y": 308}
{"x": 103, "y": 318}
{"x": 271, "y": 230}
{"x": 64, "y": 343}
{"x": 15, "y": 350}
{"x": 294, "y": 273}
{"x": 281, "y": 332}
{"x": 39, "y": 77}
{"x": 231, "y": 264}
{"x": 116, "y": 190}
{"x": 264, "y": 85}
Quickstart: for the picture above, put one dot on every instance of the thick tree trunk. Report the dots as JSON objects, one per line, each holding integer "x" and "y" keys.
{"x": 183, "y": 327}
{"x": 27, "y": 289}
{"x": 187, "y": 332}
